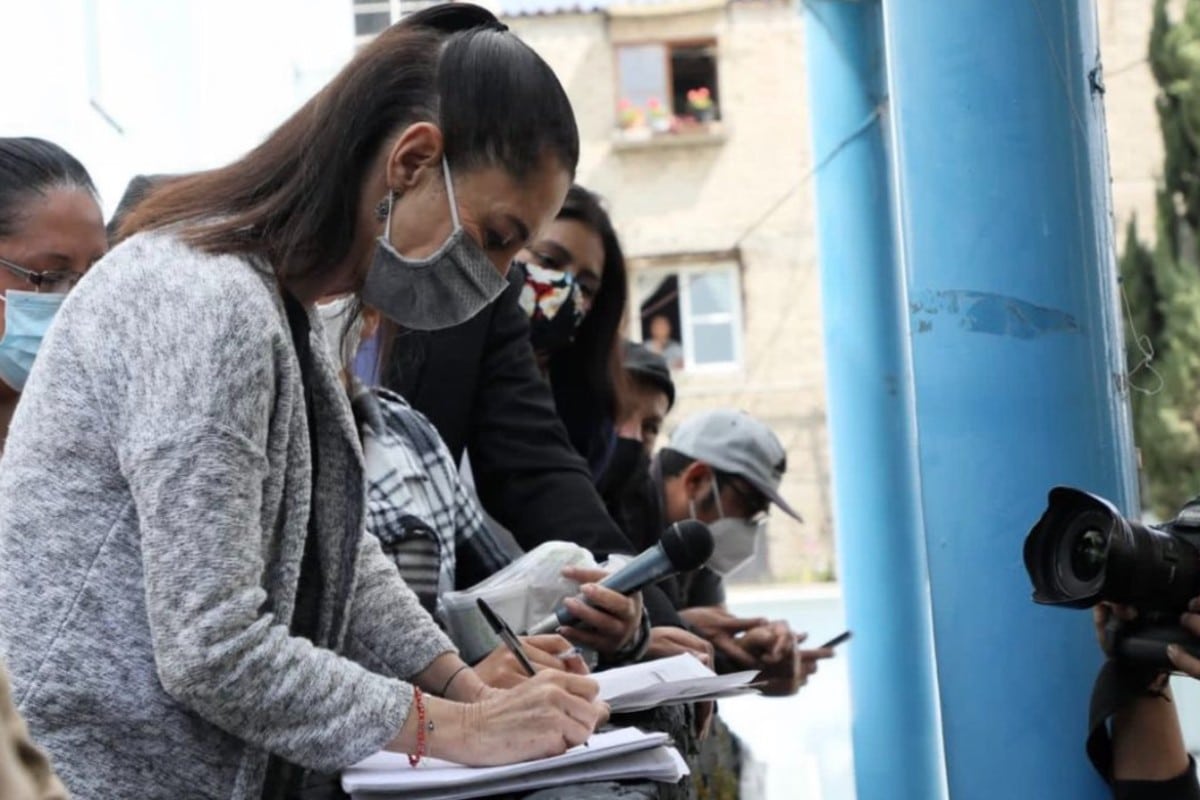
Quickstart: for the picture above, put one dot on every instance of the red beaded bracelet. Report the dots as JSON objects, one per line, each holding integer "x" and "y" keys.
{"x": 419, "y": 702}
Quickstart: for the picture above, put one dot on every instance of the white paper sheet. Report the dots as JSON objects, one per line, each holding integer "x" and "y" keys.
{"x": 668, "y": 681}
{"x": 662, "y": 764}
{"x": 390, "y": 773}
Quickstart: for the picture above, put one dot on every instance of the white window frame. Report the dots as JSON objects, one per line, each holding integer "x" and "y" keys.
{"x": 735, "y": 317}
{"x": 392, "y": 7}
{"x": 668, "y": 45}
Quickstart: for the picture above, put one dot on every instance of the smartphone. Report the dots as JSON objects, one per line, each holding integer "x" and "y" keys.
{"x": 841, "y": 638}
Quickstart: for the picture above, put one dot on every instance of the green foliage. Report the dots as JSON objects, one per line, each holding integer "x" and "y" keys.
{"x": 1163, "y": 283}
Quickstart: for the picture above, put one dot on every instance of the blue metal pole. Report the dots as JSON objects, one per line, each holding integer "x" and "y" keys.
{"x": 1005, "y": 233}
{"x": 897, "y": 749}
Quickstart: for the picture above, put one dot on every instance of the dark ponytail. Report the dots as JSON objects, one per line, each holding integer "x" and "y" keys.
{"x": 30, "y": 166}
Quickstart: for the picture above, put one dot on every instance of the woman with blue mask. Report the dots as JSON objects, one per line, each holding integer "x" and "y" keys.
{"x": 190, "y": 603}
{"x": 51, "y": 232}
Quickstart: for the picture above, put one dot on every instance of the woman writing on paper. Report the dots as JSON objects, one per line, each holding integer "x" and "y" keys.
{"x": 189, "y": 604}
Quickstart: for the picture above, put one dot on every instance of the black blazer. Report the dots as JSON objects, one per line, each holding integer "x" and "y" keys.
{"x": 479, "y": 385}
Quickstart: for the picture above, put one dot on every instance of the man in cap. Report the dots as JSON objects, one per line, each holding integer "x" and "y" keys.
{"x": 724, "y": 468}
{"x": 650, "y": 395}
{"x": 629, "y": 493}
{"x": 647, "y": 396}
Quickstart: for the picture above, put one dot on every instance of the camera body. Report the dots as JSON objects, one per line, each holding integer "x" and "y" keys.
{"x": 1082, "y": 552}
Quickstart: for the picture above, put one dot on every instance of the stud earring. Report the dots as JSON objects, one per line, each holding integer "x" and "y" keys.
{"x": 381, "y": 210}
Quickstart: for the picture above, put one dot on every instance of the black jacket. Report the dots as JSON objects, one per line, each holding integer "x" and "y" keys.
{"x": 479, "y": 384}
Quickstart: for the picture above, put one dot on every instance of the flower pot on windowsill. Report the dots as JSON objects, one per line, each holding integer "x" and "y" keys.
{"x": 660, "y": 124}
{"x": 700, "y": 103}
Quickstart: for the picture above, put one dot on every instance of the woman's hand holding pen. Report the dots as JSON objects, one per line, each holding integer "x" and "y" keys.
{"x": 539, "y": 717}
{"x": 501, "y": 670}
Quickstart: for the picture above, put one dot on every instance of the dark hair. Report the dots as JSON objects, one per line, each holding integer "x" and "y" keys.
{"x": 648, "y": 370}
{"x": 135, "y": 192}
{"x": 30, "y": 166}
{"x": 590, "y": 369}
{"x": 294, "y": 199}
{"x": 673, "y": 463}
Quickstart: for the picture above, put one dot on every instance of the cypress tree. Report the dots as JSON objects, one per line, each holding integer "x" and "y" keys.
{"x": 1163, "y": 283}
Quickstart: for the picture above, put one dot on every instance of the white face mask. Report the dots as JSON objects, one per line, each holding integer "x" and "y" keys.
{"x": 734, "y": 540}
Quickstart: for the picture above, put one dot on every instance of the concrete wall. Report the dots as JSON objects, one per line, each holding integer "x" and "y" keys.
{"x": 1134, "y": 139}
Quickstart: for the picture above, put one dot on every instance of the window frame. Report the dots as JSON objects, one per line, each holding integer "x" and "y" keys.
{"x": 667, "y": 45}
{"x": 685, "y": 270}
{"x": 392, "y": 7}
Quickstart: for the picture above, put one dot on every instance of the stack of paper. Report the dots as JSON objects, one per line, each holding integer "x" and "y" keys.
{"x": 669, "y": 681}
{"x": 620, "y": 754}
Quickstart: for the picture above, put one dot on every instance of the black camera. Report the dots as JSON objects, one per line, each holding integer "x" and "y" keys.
{"x": 1082, "y": 551}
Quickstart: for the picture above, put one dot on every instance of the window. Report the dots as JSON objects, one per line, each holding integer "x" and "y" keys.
{"x": 372, "y": 17}
{"x": 667, "y": 88}
{"x": 692, "y": 315}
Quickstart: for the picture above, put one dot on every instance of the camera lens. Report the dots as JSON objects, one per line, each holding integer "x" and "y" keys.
{"x": 1081, "y": 555}
{"x": 1083, "y": 551}
{"x": 1088, "y": 553}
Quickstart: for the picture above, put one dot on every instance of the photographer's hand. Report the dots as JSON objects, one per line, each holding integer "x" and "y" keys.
{"x": 1146, "y": 737}
{"x": 1102, "y": 614}
{"x": 1184, "y": 661}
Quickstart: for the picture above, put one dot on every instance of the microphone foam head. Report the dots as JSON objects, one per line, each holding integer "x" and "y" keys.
{"x": 688, "y": 545}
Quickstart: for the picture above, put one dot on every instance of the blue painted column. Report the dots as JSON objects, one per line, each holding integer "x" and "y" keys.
{"x": 1005, "y": 233}
{"x": 897, "y": 749}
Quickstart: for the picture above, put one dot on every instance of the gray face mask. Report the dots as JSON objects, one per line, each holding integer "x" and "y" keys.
{"x": 734, "y": 540}
{"x": 441, "y": 291}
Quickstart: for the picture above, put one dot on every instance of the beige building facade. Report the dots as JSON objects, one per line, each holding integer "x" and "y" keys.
{"x": 715, "y": 215}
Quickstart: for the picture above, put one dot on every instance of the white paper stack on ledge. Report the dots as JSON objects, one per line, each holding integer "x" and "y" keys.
{"x": 620, "y": 754}
{"x": 669, "y": 681}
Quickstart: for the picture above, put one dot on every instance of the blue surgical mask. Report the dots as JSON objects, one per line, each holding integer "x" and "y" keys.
{"x": 441, "y": 291}
{"x": 27, "y": 317}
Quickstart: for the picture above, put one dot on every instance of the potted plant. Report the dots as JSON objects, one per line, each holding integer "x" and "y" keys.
{"x": 660, "y": 120}
{"x": 629, "y": 116}
{"x": 700, "y": 103}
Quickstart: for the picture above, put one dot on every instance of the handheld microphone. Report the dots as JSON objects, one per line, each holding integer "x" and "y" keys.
{"x": 684, "y": 546}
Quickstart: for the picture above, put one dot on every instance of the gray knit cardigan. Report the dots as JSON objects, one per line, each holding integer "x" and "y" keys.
{"x": 154, "y": 502}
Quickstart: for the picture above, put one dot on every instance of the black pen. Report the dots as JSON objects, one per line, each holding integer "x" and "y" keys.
{"x": 506, "y": 635}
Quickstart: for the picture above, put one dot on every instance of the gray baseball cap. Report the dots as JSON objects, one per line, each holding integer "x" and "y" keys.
{"x": 735, "y": 442}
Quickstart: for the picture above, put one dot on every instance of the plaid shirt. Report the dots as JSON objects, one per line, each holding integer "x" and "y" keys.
{"x": 416, "y": 502}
